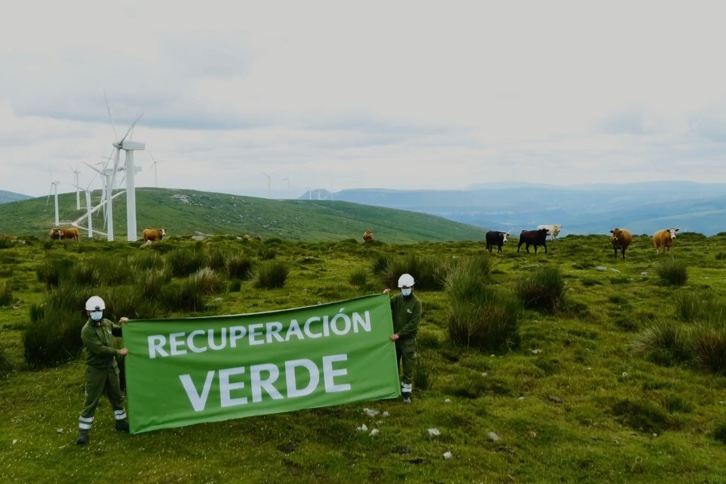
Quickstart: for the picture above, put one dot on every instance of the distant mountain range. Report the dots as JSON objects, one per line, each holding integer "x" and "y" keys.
{"x": 642, "y": 208}
{"x": 7, "y": 197}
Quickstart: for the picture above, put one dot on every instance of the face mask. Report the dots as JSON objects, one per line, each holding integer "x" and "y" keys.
{"x": 97, "y": 315}
{"x": 406, "y": 292}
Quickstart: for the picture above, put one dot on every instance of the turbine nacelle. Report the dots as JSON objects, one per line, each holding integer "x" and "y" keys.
{"x": 129, "y": 145}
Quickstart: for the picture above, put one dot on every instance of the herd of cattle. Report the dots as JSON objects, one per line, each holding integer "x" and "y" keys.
{"x": 619, "y": 238}
{"x": 150, "y": 235}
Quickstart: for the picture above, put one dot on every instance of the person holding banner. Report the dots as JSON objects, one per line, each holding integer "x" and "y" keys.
{"x": 102, "y": 374}
{"x": 406, "y": 314}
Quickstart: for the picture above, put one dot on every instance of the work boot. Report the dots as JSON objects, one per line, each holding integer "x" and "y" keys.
{"x": 406, "y": 397}
{"x": 122, "y": 426}
{"x": 82, "y": 437}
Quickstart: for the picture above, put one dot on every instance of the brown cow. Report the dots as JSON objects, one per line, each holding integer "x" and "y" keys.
{"x": 663, "y": 239}
{"x": 368, "y": 236}
{"x": 154, "y": 234}
{"x": 69, "y": 233}
{"x": 620, "y": 239}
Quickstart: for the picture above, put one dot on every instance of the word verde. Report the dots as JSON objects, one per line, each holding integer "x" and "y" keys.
{"x": 263, "y": 378}
{"x": 201, "y": 340}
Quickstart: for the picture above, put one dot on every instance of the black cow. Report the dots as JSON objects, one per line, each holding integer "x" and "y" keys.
{"x": 496, "y": 238}
{"x": 533, "y": 237}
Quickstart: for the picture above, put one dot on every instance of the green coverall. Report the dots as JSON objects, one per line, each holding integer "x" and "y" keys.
{"x": 406, "y": 313}
{"x": 101, "y": 371}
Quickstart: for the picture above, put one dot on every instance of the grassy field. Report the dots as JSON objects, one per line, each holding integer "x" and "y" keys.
{"x": 574, "y": 401}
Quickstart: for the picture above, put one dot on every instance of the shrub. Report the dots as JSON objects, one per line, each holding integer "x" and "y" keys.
{"x": 719, "y": 433}
{"x": 52, "y": 271}
{"x": 709, "y": 345}
{"x": 182, "y": 295}
{"x": 217, "y": 258}
{"x": 53, "y": 335}
{"x": 5, "y": 365}
{"x": 6, "y": 295}
{"x": 479, "y": 317}
{"x": 267, "y": 253}
{"x": 5, "y": 242}
{"x": 151, "y": 282}
{"x": 543, "y": 291}
{"x": 271, "y": 274}
{"x": 206, "y": 280}
{"x": 422, "y": 375}
{"x": 380, "y": 263}
{"x": 186, "y": 261}
{"x": 146, "y": 260}
{"x": 429, "y": 271}
{"x": 665, "y": 343}
{"x": 130, "y": 301}
{"x": 359, "y": 278}
{"x": 239, "y": 266}
{"x": 672, "y": 272}
{"x": 643, "y": 416}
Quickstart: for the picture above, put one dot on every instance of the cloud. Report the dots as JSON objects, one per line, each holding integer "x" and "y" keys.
{"x": 395, "y": 95}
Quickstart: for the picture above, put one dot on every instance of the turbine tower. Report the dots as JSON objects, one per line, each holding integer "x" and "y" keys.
{"x": 54, "y": 189}
{"x": 128, "y": 146}
{"x": 75, "y": 184}
{"x": 268, "y": 183}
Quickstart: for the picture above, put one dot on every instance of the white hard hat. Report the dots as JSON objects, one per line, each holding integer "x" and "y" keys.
{"x": 95, "y": 303}
{"x": 406, "y": 280}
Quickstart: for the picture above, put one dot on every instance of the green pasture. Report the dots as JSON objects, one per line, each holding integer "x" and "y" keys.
{"x": 620, "y": 381}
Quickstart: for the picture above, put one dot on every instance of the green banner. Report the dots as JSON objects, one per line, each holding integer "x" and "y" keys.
{"x": 186, "y": 371}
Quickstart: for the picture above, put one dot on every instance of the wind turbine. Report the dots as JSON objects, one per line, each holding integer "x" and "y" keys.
{"x": 268, "y": 183}
{"x": 54, "y": 188}
{"x": 89, "y": 209}
{"x": 75, "y": 184}
{"x": 288, "y": 186}
{"x": 153, "y": 165}
{"x": 129, "y": 147}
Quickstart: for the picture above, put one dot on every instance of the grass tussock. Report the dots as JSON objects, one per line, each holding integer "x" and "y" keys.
{"x": 672, "y": 272}
{"x": 429, "y": 271}
{"x": 6, "y": 293}
{"x": 666, "y": 343}
{"x": 709, "y": 346}
{"x": 271, "y": 274}
{"x": 479, "y": 316}
{"x": 186, "y": 261}
{"x": 543, "y": 291}
{"x": 239, "y": 266}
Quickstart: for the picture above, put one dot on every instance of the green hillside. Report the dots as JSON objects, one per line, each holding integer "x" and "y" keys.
{"x": 185, "y": 212}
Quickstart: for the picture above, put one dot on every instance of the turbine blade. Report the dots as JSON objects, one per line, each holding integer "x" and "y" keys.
{"x": 115, "y": 136}
{"x": 131, "y": 128}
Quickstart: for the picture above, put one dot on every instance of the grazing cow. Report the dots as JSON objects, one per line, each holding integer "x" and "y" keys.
{"x": 496, "y": 238}
{"x": 620, "y": 239}
{"x": 70, "y": 233}
{"x": 368, "y": 236}
{"x": 533, "y": 237}
{"x": 552, "y": 230}
{"x": 663, "y": 239}
{"x": 154, "y": 234}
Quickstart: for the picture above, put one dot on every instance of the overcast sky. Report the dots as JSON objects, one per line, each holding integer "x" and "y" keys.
{"x": 373, "y": 94}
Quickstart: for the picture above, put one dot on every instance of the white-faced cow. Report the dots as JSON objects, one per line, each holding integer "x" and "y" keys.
{"x": 663, "y": 239}
{"x": 154, "y": 234}
{"x": 552, "y": 230}
{"x": 620, "y": 239}
{"x": 533, "y": 237}
{"x": 494, "y": 238}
